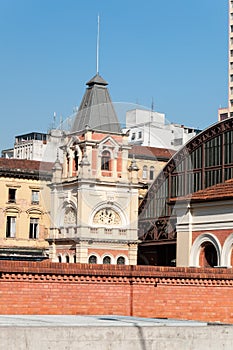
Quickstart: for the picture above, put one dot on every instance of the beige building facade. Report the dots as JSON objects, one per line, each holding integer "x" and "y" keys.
{"x": 150, "y": 162}
{"x": 205, "y": 229}
{"x": 24, "y": 209}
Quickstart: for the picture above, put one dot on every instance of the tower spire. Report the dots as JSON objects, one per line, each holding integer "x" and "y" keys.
{"x": 98, "y": 44}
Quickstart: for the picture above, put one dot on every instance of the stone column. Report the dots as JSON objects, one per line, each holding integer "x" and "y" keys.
{"x": 132, "y": 253}
{"x": 82, "y": 252}
{"x": 52, "y": 252}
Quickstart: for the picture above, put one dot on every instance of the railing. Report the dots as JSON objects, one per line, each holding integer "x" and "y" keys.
{"x": 94, "y": 232}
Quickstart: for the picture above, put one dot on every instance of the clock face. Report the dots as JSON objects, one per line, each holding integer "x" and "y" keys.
{"x": 107, "y": 216}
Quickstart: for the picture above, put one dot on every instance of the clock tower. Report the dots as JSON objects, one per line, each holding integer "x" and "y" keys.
{"x": 95, "y": 191}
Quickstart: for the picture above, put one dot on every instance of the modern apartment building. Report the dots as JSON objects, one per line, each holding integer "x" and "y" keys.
{"x": 36, "y": 146}
{"x": 149, "y": 128}
{"x": 230, "y": 77}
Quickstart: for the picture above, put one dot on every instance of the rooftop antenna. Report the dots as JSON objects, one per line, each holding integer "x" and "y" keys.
{"x": 98, "y": 44}
{"x": 54, "y": 119}
{"x": 61, "y": 122}
{"x": 152, "y": 109}
{"x": 151, "y": 120}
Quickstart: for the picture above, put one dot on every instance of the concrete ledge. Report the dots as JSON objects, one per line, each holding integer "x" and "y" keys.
{"x": 110, "y": 333}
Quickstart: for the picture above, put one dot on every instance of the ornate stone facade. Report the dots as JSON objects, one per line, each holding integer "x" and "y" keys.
{"x": 95, "y": 192}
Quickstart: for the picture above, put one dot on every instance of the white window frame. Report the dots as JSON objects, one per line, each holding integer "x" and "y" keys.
{"x": 35, "y": 197}
{"x": 11, "y": 226}
{"x": 34, "y": 228}
{"x": 144, "y": 172}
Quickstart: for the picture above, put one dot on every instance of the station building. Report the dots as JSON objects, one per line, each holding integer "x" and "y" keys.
{"x": 185, "y": 218}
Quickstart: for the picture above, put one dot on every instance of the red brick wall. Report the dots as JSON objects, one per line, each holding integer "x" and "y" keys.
{"x": 220, "y": 234}
{"x": 147, "y": 291}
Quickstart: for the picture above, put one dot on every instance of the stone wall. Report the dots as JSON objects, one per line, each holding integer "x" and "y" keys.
{"x": 143, "y": 291}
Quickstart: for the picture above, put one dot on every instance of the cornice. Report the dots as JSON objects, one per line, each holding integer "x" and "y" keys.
{"x": 101, "y": 278}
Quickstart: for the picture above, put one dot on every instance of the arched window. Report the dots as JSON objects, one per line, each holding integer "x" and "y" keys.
{"x": 208, "y": 255}
{"x": 92, "y": 259}
{"x": 105, "y": 161}
{"x": 205, "y": 251}
{"x": 144, "y": 172}
{"x": 107, "y": 260}
{"x": 67, "y": 259}
{"x": 227, "y": 252}
{"x": 76, "y": 160}
{"x": 68, "y": 162}
{"x": 70, "y": 216}
{"x": 59, "y": 258}
{"x": 74, "y": 258}
{"x": 152, "y": 171}
{"x": 121, "y": 260}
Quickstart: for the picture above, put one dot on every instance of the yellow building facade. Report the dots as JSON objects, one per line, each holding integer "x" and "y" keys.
{"x": 24, "y": 209}
{"x": 150, "y": 161}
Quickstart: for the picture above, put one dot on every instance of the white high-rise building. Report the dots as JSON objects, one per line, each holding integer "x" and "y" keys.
{"x": 30, "y": 146}
{"x": 37, "y": 146}
{"x": 224, "y": 113}
{"x": 149, "y": 128}
{"x": 230, "y": 68}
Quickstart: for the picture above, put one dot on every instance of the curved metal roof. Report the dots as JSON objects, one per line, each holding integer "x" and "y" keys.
{"x": 156, "y": 213}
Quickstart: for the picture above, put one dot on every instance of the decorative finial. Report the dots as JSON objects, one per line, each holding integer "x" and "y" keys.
{"x": 84, "y": 160}
{"x": 57, "y": 160}
{"x": 133, "y": 165}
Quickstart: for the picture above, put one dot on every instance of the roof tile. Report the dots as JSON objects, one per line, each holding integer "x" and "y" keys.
{"x": 24, "y": 164}
{"x": 155, "y": 152}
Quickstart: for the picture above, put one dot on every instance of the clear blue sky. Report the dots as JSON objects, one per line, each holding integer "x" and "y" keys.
{"x": 173, "y": 51}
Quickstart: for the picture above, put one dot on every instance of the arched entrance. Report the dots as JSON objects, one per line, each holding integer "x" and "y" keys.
{"x": 208, "y": 255}
{"x": 206, "y": 251}
{"x": 227, "y": 252}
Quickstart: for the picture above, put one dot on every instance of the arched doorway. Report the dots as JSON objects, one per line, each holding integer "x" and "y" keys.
{"x": 205, "y": 251}
{"x": 227, "y": 252}
{"x": 231, "y": 257}
{"x": 208, "y": 255}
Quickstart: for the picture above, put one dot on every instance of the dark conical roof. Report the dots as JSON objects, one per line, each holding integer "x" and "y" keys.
{"x": 96, "y": 110}
{"x": 97, "y": 79}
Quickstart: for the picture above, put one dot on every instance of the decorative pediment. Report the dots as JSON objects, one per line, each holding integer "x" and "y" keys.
{"x": 73, "y": 144}
{"x": 34, "y": 211}
{"x": 109, "y": 144}
{"x": 12, "y": 209}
